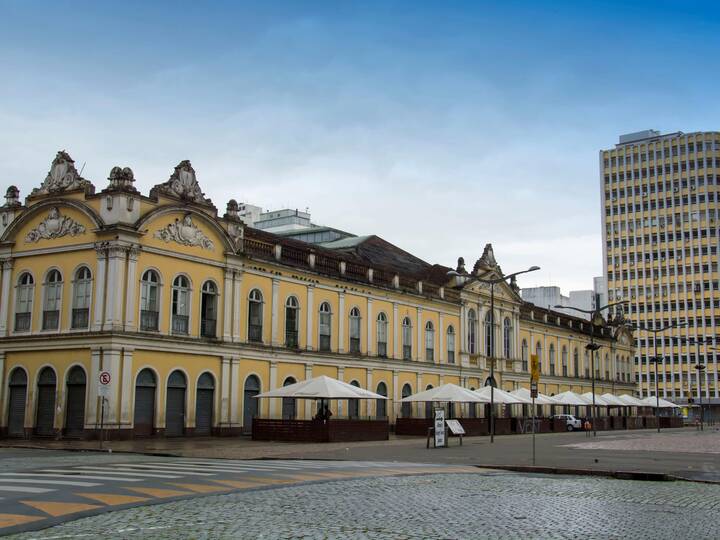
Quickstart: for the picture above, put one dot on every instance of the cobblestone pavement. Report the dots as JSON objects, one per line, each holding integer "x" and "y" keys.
{"x": 441, "y": 506}
{"x": 691, "y": 441}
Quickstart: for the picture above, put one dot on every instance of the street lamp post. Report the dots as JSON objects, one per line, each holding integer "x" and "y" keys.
{"x": 700, "y": 369}
{"x": 492, "y": 282}
{"x": 595, "y": 320}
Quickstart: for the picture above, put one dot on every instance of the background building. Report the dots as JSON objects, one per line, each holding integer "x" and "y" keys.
{"x": 660, "y": 221}
{"x": 550, "y": 296}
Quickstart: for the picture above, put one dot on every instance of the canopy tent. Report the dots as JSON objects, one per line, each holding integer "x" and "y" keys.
{"x": 541, "y": 399}
{"x": 651, "y": 401}
{"x": 569, "y": 398}
{"x": 613, "y": 400}
{"x": 501, "y": 396}
{"x": 451, "y": 393}
{"x": 322, "y": 387}
{"x": 588, "y": 396}
{"x": 631, "y": 401}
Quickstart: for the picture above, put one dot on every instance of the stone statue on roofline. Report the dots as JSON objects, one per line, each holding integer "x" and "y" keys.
{"x": 486, "y": 261}
{"x": 461, "y": 266}
{"x": 121, "y": 179}
{"x": 63, "y": 176}
{"x": 182, "y": 184}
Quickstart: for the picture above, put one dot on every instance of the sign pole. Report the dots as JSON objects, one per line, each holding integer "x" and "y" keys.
{"x": 102, "y": 420}
{"x": 534, "y": 380}
{"x": 533, "y": 428}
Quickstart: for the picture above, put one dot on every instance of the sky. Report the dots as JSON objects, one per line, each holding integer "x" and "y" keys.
{"x": 439, "y": 126}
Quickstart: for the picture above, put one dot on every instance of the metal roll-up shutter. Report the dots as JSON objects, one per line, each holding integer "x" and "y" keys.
{"x": 175, "y": 412}
{"x": 16, "y": 418}
{"x": 144, "y": 410}
{"x": 203, "y": 411}
{"x": 45, "y": 417}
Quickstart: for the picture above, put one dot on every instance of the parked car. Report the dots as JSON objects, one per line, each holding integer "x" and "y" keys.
{"x": 571, "y": 422}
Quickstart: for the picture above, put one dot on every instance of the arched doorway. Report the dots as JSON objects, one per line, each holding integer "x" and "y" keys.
{"x": 204, "y": 399}
{"x": 429, "y": 404}
{"x": 75, "y": 406}
{"x": 45, "y": 416}
{"x": 354, "y": 404}
{"x": 250, "y": 403}
{"x": 16, "y": 403}
{"x": 144, "y": 418}
{"x": 406, "y": 408}
{"x": 288, "y": 404}
{"x": 175, "y": 404}
{"x": 381, "y": 407}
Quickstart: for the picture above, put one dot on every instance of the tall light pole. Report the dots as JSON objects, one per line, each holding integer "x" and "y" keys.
{"x": 699, "y": 366}
{"x": 596, "y": 319}
{"x": 656, "y": 360}
{"x": 492, "y": 282}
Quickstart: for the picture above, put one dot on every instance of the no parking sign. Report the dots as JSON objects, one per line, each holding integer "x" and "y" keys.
{"x": 104, "y": 383}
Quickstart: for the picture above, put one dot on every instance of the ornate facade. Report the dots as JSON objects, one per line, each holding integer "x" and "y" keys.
{"x": 191, "y": 314}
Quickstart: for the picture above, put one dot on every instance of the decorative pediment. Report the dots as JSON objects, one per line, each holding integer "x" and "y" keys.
{"x": 63, "y": 176}
{"x": 183, "y": 185}
{"x": 486, "y": 261}
{"x": 185, "y": 232}
{"x": 54, "y": 226}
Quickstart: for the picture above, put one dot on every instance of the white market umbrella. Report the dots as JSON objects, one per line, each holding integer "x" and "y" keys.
{"x": 598, "y": 399}
{"x": 451, "y": 393}
{"x": 501, "y": 396}
{"x": 631, "y": 401}
{"x": 569, "y": 398}
{"x": 613, "y": 400}
{"x": 653, "y": 402}
{"x": 322, "y": 387}
{"x": 541, "y": 399}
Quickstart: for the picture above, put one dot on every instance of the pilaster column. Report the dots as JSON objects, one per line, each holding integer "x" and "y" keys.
{"x": 370, "y": 348}
{"x": 126, "y": 388}
{"x": 462, "y": 331}
{"x": 308, "y": 404}
{"x": 3, "y": 414}
{"x": 395, "y": 325}
{"x": 419, "y": 407}
{"x": 227, "y": 304}
{"x": 395, "y": 394}
{"x": 92, "y": 417}
{"x": 420, "y": 332}
{"x": 371, "y": 403}
{"x": 225, "y": 388}
{"x": 234, "y": 391}
{"x": 130, "y": 297}
{"x": 100, "y": 277}
{"x": 7, "y": 266}
{"x": 341, "y": 377}
{"x": 274, "y": 313}
{"x": 115, "y": 279}
{"x": 309, "y": 329}
{"x": 237, "y": 301}
{"x": 111, "y": 364}
{"x": 341, "y": 323}
{"x": 273, "y": 386}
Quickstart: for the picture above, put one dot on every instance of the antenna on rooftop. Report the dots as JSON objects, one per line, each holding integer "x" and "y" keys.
{"x": 82, "y": 168}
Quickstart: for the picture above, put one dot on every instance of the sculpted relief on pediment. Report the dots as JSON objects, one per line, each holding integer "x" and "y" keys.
{"x": 54, "y": 226}
{"x": 186, "y": 233}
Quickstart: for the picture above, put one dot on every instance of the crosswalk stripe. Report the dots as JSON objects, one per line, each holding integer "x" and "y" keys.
{"x": 56, "y": 509}
{"x": 49, "y": 482}
{"x": 160, "y": 493}
{"x": 22, "y": 489}
{"x": 259, "y": 466}
{"x": 60, "y": 473}
{"x": 168, "y": 468}
{"x": 127, "y": 472}
{"x": 200, "y": 488}
{"x": 112, "y": 499}
{"x": 11, "y": 520}
{"x": 233, "y": 468}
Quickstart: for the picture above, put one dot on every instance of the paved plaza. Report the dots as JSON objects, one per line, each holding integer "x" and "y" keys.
{"x": 486, "y": 504}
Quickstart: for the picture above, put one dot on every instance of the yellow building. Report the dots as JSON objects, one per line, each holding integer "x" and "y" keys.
{"x": 186, "y": 315}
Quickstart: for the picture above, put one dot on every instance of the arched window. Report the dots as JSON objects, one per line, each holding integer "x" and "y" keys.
{"x": 507, "y": 338}
{"x": 325, "y": 326}
{"x": 354, "y": 404}
{"x": 564, "y": 361}
{"x": 51, "y": 304}
{"x": 429, "y": 404}
{"x": 524, "y": 355}
{"x": 607, "y": 367}
{"x": 355, "y": 330}
{"x": 597, "y": 364}
{"x": 489, "y": 335}
{"x": 255, "y": 316}
{"x": 538, "y": 353}
{"x": 149, "y": 300}
{"x": 551, "y": 358}
{"x": 406, "y": 408}
{"x": 472, "y": 332}
{"x": 82, "y": 291}
{"x": 292, "y": 309}
{"x": 429, "y": 342}
{"x": 381, "y": 404}
{"x": 618, "y": 367}
{"x": 407, "y": 338}
{"x": 180, "y": 305}
{"x": 451, "y": 345}
{"x": 382, "y": 326}
{"x": 587, "y": 364}
{"x": 208, "y": 310}
{"x": 23, "y": 305}
{"x": 288, "y": 404}
{"x": 576, "y": 363}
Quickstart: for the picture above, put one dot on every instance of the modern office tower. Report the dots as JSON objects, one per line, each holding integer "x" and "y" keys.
{"x": 660, "y": 199}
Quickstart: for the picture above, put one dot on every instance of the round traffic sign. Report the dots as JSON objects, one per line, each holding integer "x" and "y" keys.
{"x": 105, "y": 377}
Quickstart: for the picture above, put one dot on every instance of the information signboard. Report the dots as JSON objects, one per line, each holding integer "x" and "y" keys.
{"x": 455, "y": 427}
{"x": 534, "y": 368}
{"x": 440, "y": 427}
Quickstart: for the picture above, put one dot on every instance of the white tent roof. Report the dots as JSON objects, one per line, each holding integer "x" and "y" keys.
{"x": 322, "y": 387}
{"x": 501, "y": 396}
{"x": 613, "y": 400}
{"x": 599, "y": 400}
{"x": 569, "y": 398}
{"x": 447, "y": 393}
{"x": 631, "y": 401}
{"x": 541, "y": 399}
{"x": 651, "y": 401}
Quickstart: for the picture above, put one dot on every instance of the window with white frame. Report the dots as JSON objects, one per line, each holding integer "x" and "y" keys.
{"x": 472, "y": 332}
{"x": 564, "y": 361}
{"x": 538, "y": 352}
{"x": 382, "y": 331}
{"x": 208, "y": 310}
{"x": 354, "y": 330}
{"x": 149, "y": 300}
{"x": 450, "y": 345}
{"x": 255, "y": 316}
{"x": 407, "y": 338}
{"x": 551, "y": 358}
{"x": 524, "y": 355}
{"x": 325, "y": 326}
{"x": 24, "y": 300}
{"x": 429, "y": 342}
{"x": 82, "y": 291}
{"x": 180, "y": 305}
{"x": 489, "y": 335}
{"x": 51, "y": 303}
{"x": 507, "y": 338}
{"x": 292, "y": 310}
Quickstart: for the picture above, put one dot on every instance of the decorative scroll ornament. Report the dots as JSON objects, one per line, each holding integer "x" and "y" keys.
{"x": 183, "y": 185}
{"x": 486, "y": 261}
{"x": 55, "y": 226}
{"x": 185, "y": 232}
{"x": 63, "y": 176}
{"x": 121, "y": 179}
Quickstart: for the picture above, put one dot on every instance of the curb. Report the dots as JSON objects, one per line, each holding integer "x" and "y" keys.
{"x": 619, "y": 475}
